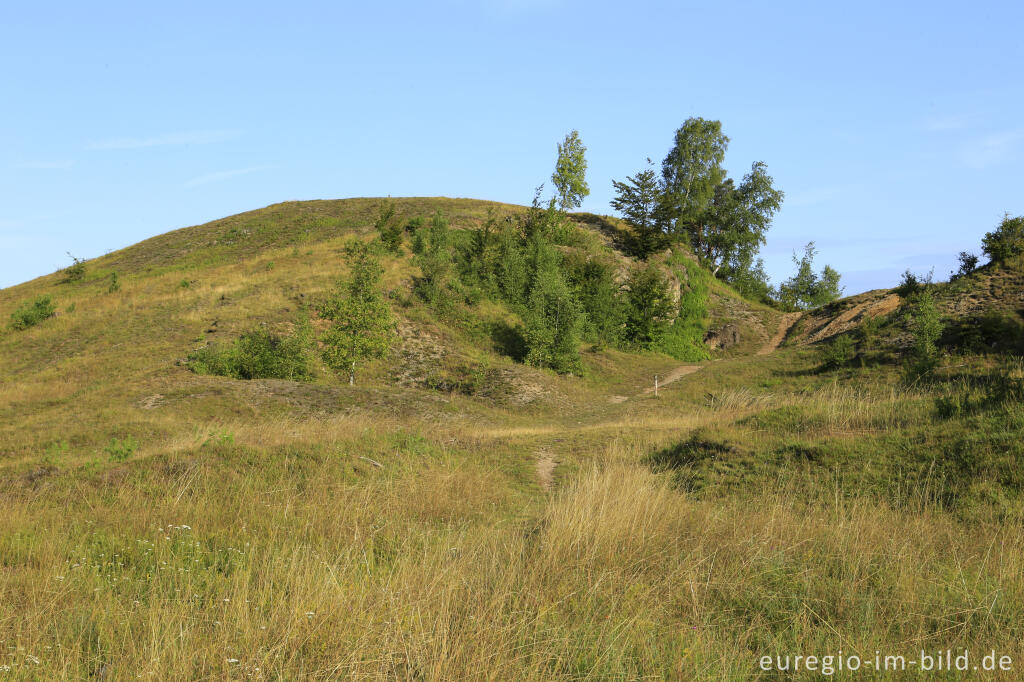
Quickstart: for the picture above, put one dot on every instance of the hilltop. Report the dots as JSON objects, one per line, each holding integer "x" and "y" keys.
{"x": 460, "y": 513}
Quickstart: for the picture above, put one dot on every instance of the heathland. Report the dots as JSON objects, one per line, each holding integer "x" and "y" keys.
{"x": 194, "y": 487}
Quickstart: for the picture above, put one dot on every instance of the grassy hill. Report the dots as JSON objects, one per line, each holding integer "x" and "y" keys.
{"x": 458, "y": 514}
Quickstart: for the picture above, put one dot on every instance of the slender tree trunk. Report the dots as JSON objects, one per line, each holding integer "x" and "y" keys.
{"x": 352, "y": 374}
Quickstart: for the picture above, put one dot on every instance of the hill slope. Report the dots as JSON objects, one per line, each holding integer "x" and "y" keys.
{"x": 460, "y": 515}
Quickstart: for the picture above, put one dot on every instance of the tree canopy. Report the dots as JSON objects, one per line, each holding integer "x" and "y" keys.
{"x": 570, "y": 172}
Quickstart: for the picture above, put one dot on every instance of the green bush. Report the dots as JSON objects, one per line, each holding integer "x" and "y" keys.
{"x": 32, "y": 313}
{"x": 115, "y": 283}
{"x": 838, "y": 352}
{"x": 389, "y": 230}
{"x": 1005, "y": 241}
{"x": 911, "y": 285}
{"x": 259, "y": 354}
{"x": 121, "y": 449}
{"x": 76, "y": 271}
{"x": 926, "y": 328}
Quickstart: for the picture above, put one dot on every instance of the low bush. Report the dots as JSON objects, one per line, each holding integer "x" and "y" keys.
{"x": 74, "y": 272}
{"x": 259, "y": 354}
{"x": 838, "y": 352}
{"x": 31, "y": 313}
{"x": 911, "y": 285}
{"x": 121, "y": 449}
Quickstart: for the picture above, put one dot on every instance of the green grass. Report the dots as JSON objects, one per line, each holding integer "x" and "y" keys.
{"x": 174, "y": 525}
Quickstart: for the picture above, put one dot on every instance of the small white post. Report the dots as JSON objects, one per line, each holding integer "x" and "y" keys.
{"x": 655, "y": 385}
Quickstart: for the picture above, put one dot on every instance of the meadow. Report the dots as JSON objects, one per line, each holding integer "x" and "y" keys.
{"x": 159, "y": 524}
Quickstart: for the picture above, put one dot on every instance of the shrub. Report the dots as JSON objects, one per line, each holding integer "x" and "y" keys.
{"x": 1005, "y": 241}
{"x": 805, "y": 289}
{"x": 926, "y": 328}
{"x": 552, "y": 324}
{"x": 115, "y": 283}
{"x": 74, "y": 272}
{"x": 838, "y": 353}
{"x": 911, "y": 285}
{"x": 388, "y": 228}
{"x": 120, "y": 450}
{"x": 259, "y": 354}
{"x": 362, "y": 324}
{"x": 648, "y": 306}
{"x": 867, "y": 332}
{"x": 32, "y": 313}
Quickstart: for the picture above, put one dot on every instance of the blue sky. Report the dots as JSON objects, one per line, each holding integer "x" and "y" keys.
{"x": 895, "y": 129}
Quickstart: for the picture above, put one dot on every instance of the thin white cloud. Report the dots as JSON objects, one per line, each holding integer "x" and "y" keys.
{"x": 224, "y": 175}
{"x": 170, "y": 139}
{"x": 45, "y": 165}
{"x": 993, "y": 149}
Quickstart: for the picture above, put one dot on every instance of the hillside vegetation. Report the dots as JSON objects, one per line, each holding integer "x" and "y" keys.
{"x": 461, "y": 513}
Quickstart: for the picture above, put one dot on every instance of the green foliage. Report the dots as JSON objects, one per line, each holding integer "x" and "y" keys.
{"x": 867, "y": 331}
{"x": 594, "y": 286}
{"x": 1005, "y": 241}
{"x": 723, "y": 223}
{"x": 389, "y": 230}
{"x": 838, "y": 352}
{"x": 434, "y": 259}
{"x": 994, "y": 331}
{"x": 115, "y": 283}
{"x": 748, "y": 277}
{"x": 911, "y": 284}
{"x": 691, "y": 172}
{"x": 511, "y": 275}
{"x": 684, "y": 338}
{"x": 806, "y": 290}
{"x": 569, "y": 177}
{"x": 259, "y": 354}
{"x": 120, "y": 450}
{"x": 552, "y": 322}
{"x": 926, "y": 328}
{"x": 184, "y": 284}
{"x": 362, "y": 324}
{"x": 968, "y": 263}
{"x": 648, "y": 307}
{"x": 638, "y": 199}
{"x": 74, "y": 272}
{"x": 31, "y": 313}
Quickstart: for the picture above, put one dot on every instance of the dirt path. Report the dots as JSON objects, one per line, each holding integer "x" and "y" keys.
{"x": 545, "y": 464}
{"x": 675, "y": 375}
{"x": 787, "y": 322}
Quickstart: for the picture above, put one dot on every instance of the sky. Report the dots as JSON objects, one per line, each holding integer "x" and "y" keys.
{"x": 896, "y": 130}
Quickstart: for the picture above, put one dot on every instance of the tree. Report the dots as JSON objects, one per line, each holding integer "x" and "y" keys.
{"x": 737, "y": 220}
{"x": 724, "y": 224}
{"x": 552, "y": 323}
{"x": 362, "y": 325}
{"x": 570, "y": 172}
{"x": 638, "y": 199}
{"x": 648, "y": 306}
{"x": 1005, "y": 241}
{"x": 690, "y": 172}
{"x": 805, "y": 289}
